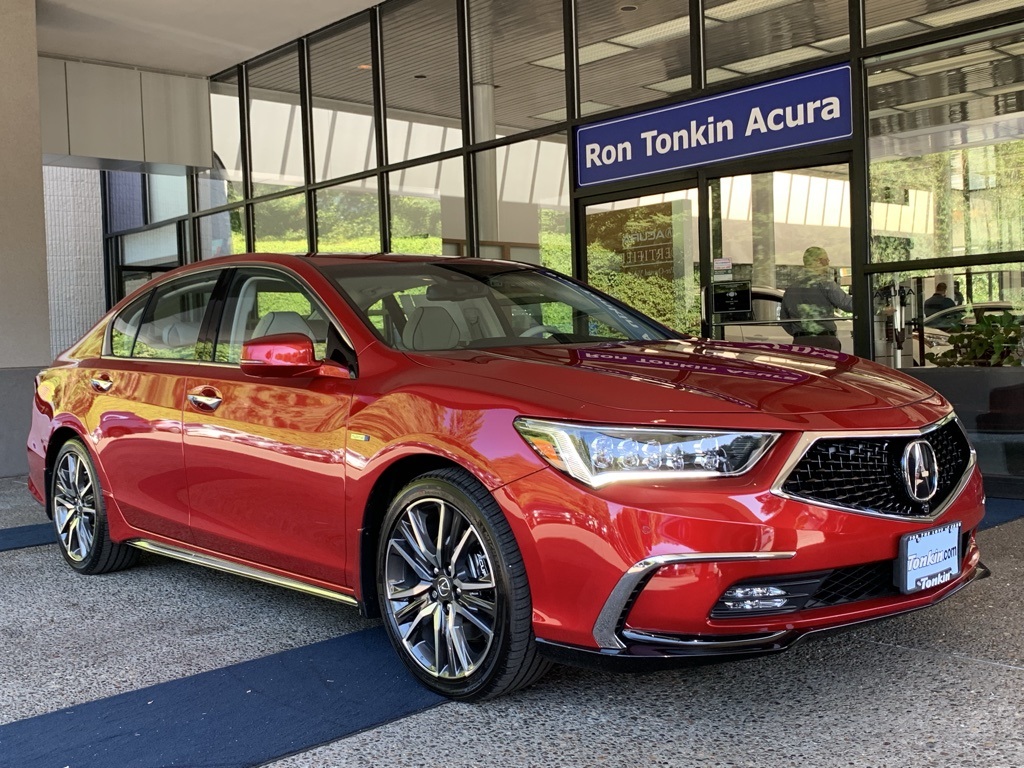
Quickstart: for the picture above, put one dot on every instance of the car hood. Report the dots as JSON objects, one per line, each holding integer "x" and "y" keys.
{"x": 694, "y": 375}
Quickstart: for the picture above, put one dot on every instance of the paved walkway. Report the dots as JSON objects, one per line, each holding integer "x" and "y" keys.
{"x": 942, "y": 687}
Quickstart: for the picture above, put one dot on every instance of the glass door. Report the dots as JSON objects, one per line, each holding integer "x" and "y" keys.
{"x": 781, "y": 257}
{"x": 643, "y": 251}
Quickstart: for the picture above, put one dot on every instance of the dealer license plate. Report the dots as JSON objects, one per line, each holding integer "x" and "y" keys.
{"x": 928, "y": 558}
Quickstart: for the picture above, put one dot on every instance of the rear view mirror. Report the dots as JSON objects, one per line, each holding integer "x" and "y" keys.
{"x": 282, "y": 354}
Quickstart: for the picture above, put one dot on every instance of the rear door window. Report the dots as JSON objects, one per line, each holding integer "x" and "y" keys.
{"x": 172, "y": 322}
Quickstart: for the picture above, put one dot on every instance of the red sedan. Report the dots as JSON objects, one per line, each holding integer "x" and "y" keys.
{"x": 508, "y": 466}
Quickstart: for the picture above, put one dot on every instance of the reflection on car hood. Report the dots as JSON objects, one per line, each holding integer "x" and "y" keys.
{"x": 697, "y": 375}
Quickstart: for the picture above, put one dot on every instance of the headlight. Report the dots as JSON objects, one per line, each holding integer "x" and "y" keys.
{"x": 598, "y": 455}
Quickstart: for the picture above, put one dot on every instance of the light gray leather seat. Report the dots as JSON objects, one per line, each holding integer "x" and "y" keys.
{"x": 282, "y": 322}
{"x": 430, "y": 328}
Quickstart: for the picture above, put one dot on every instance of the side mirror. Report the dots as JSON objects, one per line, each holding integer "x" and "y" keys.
{"x": 282, "y": 354}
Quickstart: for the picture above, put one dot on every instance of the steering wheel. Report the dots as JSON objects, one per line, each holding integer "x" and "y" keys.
{"x": 540, "y": 330}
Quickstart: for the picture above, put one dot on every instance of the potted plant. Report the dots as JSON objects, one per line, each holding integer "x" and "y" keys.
{"x": 995, "y": 340}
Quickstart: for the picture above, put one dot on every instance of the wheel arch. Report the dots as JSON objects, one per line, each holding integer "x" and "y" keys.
{"x": 60, "y": 436}
{"x": 391, "y": 480}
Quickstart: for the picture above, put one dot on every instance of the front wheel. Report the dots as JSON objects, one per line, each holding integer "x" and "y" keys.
{"x": 79, "y": 515}
{"x": 453, "y": 589}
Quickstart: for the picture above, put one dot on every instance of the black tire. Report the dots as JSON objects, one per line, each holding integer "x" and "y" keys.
{"x": 80, "y": 517}
{"x": 458, "y": 614}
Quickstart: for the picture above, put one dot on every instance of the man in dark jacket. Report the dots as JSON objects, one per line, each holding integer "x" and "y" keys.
{"x": 938, "y": 300}
{"x": 809, "y": 303}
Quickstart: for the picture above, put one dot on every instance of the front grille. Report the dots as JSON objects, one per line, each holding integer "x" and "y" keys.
{"x": 866, "y": 473}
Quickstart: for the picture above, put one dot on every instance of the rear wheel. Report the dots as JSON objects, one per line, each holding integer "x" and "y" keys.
{"x": 453, "y": 589}
{"x": 79, "y": 515}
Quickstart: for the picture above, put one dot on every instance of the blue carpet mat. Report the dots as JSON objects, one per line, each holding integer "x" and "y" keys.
{"x": 27, "y": 536}
{"x": 243, "y": 715}
{"x": 999, "y": 511}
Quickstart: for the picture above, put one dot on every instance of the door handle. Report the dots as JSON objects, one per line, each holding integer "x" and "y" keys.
{"x": 101, "y": 382}
{"x": 206, "y": 399}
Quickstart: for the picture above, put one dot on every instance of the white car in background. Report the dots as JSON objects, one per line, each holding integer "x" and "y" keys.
{"x": 766, "y": 326}
{"x": 938, "y": 326}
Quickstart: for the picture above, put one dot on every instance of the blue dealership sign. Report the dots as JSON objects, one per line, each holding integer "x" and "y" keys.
{"x": 804, "y": 109}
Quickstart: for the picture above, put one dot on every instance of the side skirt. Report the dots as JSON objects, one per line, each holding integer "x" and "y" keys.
{"x": 237, "y": 569}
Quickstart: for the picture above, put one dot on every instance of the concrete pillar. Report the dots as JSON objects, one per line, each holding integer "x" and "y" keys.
{"x": 24, "y": 306}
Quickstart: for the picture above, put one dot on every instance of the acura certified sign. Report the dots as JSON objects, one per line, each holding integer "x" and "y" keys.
{"x": 794, "y": 112}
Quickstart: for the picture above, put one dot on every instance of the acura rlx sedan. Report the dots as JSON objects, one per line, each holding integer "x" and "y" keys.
{"x": 505, "y": 465}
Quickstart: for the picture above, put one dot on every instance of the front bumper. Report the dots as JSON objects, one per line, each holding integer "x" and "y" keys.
{"x": 644, "y": 652}
{"x": 635, "y": 572}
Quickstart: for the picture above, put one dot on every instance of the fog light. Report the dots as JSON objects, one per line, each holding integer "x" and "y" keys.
{"x": 768, "y": 604}
{"x": 747, "y": 592}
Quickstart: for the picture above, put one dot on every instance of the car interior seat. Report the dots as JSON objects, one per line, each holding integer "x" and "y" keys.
{"x": 430, "y": 328}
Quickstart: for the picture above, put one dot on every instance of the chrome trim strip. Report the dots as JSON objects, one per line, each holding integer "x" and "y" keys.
{"x": 615, "y": 606}
{"x": 236, "y": 569}
{"x": 807, "y": 439}
{"x": 696, "y": 642}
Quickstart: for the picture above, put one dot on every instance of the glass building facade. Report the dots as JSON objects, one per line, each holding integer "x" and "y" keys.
{"x": 447, "y": 126}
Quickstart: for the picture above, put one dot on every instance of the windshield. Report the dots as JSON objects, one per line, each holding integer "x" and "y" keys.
{"x": 432, "y": 306}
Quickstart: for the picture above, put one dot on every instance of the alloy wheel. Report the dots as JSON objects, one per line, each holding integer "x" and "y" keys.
{"x": 74, "y": 506}
{"x": 440, "y": 591}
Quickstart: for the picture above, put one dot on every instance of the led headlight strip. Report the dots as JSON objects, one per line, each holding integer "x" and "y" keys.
{"x": 601, "y": 454}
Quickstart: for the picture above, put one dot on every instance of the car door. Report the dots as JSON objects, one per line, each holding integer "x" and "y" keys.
{"x": 265, "y": 456}
{"x": 139, "y": 392}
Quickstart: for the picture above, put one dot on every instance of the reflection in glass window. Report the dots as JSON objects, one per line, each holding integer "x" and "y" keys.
{"x": 222, "y": 184}
{"x": 749, "y": 37}
{"x": 168, "y": 196}
{"x": 152, "y": 248}
{"x": 171, "y": 325}
{"x": 222, "y": 234}
{"x": 428, "y": 208}
{"x": 523, "y": 210}
{"x": 986, "y": 303}
{"x": 124, "y": 201}
{"x": 275, "y": 123}
{"x": 643, "y": 251}
{"x": 341, "y": 78}
{"x": 517, "y": 65}
{"x": 126, "y": 326}
{"x": 945, "y": 149}
{"x": 261, "y": 303}
{"x": 421, "y": 73}
{"x": 888, "y": 21}
{"x": 630, "y": 56}
{"x": 787, "y": 235}
{"x": 281, "y": 225}
{"x": 348, "y": 218}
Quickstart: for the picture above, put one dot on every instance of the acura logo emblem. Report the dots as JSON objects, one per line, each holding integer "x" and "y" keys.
{"x": 920, "y": 470}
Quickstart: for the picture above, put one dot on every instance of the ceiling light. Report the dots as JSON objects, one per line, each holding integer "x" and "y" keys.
{"x": 628, "y": 8}
{"x": 952, "y": 98}
{"x": 674, "y": 85}
{"x": 834, "y": 44}
{"x": 717, "y": 74}
{"x": 953, "y": 62}
{"x": 667, "y": 30}
{"x": 420, "y": 77}
{"x": 884, "y": 112}
{"x": 965, "y": 12}
{"x": 586, "y": 54}
{"x": 886, "y": 77}
{"x": 1014, "y": 49}
{"x": 891, "y": 31}
{"x": 741, "y": 8}
{"x": 999, "y": 90}
{"x": 364, "y": 66}
{"x": 586, "y": 108}
{"x": 775, "y": 60}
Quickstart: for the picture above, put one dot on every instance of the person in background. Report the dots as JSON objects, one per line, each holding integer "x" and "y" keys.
{"x": 809, "y": 303}
{"x": 957, "y": 296}
{"x": 938, "y": 300}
